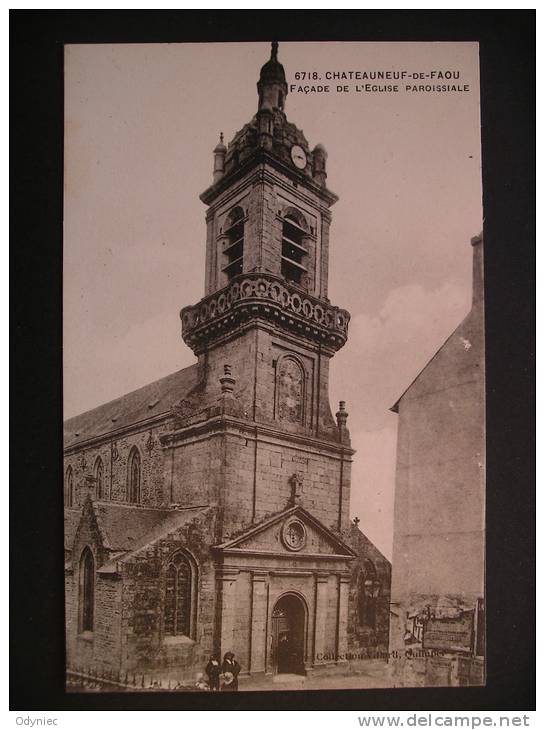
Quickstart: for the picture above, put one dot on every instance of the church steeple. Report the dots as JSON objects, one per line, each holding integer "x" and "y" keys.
{"x": 266, "y": 308}
{"x": 272, "y": 86}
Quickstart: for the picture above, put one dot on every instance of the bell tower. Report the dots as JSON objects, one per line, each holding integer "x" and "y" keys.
{"x": 265, "y": 313}
{"x": 269, "y": 204}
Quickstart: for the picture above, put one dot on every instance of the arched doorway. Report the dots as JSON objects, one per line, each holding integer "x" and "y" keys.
{"x": 288, "y": 634}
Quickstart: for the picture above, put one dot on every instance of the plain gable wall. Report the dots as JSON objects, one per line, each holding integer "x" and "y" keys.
{"x": 439, "y": 509}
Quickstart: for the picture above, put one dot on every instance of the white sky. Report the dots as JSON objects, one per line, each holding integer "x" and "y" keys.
{"x": 141, "y": 122}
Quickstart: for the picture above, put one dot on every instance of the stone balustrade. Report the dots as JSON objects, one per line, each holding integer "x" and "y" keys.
{"x": 267, "y": 296}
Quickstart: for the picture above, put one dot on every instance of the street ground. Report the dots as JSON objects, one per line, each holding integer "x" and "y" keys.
{"x": 372, "y": 674}
{"x": 368, "y": 674}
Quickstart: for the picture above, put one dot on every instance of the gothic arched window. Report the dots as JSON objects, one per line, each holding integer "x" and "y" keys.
{"x": 233, "y": 250}
{"x": 99, "y": 478}
{"x": 178, "y": 589}
{"x": 133, "y": 477}
{"x": 290, "y": 388}
{"x": 86, "y": 590}
{"x": 69, "y": 487}
{"x": 368, "y": 592}
{"x": 294, "y": 251}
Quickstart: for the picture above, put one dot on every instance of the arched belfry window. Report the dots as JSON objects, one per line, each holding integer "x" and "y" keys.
{"x": 294, "y": 251}
{"x": 69, "y": 487}
{"x": 133, "y": 477}
{"x": 368, "y": 593}
{"x": 233, "y": 250}
{"x": 178, "y": 595}
{"x": 86, "y": 590}
{"x": 99, "y": 478}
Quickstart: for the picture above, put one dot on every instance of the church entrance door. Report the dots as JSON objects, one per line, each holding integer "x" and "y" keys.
{"x": 288, "y": 632}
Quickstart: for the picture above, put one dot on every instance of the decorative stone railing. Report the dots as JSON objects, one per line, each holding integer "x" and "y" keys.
{"x": 269, "y": 297}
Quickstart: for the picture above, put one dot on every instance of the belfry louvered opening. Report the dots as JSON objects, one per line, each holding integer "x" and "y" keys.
{"x": 234, "y": 243}
{"x": 294, "y": 252}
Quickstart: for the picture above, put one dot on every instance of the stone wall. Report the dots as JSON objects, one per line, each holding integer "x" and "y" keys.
{"x": 195, "y": 470}
{"x": 439, "y": 505}
{"x": 128, "y": 630}
{"x": 361, "y": 636}
{"x": 144, "y": 645}
{"x": 249, "y": 600}
{"x": 277, "y": 462}
{"x": 438, "y": 561}
{"x": 249, "y": 474}
{"x": 255, "y": 357}
{"x": 102, "y": 647}
{"x": 115, "y": 454}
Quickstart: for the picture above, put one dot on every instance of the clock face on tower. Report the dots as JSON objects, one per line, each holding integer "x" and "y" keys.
{"x": 298, "y": 157}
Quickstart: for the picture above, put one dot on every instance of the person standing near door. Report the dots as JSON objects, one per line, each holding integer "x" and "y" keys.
{"x": 230, "y": 669}
{"x": 284, "y": 653}
{"x": 213, "y": 670}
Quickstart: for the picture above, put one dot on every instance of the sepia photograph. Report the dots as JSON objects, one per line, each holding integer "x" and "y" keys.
{"x": 274, "y": 383}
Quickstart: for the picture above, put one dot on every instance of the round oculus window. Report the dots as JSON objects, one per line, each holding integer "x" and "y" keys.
{"x": 294, "y": 535}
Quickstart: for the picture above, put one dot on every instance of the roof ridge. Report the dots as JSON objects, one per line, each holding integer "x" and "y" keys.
{"x": 150, "y": 537}
{"x": 432, "y": 358}
{"x": 130, "y": 392}
{"x": 140, "y": 409}
{"x": 128, "y": 505}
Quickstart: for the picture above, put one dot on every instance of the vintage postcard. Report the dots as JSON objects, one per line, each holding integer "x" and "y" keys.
{"x": 274, "y": 447}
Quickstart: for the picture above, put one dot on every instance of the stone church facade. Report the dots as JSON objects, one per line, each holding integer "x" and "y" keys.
{"x": 209, "y": 511}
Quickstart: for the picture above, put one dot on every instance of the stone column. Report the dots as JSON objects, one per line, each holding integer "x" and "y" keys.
{"x": 320, "y": 619}
{"x": 259, "y": 622}
{"x": 228, "y": 580}
{"x": 342, "y": 648}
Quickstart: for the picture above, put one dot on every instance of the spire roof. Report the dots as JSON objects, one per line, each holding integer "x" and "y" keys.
{"x": 220, "y": 147}
{"x": 273, "y": 71}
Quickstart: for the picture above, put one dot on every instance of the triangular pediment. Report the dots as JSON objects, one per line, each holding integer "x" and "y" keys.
{"x": 292, "y": 532}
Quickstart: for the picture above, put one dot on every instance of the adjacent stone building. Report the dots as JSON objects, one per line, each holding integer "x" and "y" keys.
{"x": 209, "y": 511}
{"x": 437, "y": 622}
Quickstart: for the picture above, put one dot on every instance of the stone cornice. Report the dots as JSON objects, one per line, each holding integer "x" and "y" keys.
{"x": 278, "y": 555}
{"x": 271, "y": 298}
{"x": 252, "y": 430}
{"x": 321, "y": 574}
{"x": 262, "y": 174}
{"x": 118, "y": 433}
{"x": 270, "y": 326}
{"x": 261, "y": 155}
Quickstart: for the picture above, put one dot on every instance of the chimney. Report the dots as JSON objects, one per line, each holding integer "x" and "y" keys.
{"x": 478, "y": 283}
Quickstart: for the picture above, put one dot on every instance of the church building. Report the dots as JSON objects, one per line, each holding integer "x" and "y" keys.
{"x": 209, "y": 511}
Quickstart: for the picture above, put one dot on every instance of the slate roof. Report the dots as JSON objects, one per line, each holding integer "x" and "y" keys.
{"x": 151, "y": 400}
{"x": 126, "y": 527}
{"x": 395, "y": 408}
{"x": 358, "y": 538}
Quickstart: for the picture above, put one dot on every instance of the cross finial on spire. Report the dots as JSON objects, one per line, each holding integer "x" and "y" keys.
{"x": 221, "y": 137}
{"x": 274, "y": 51}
